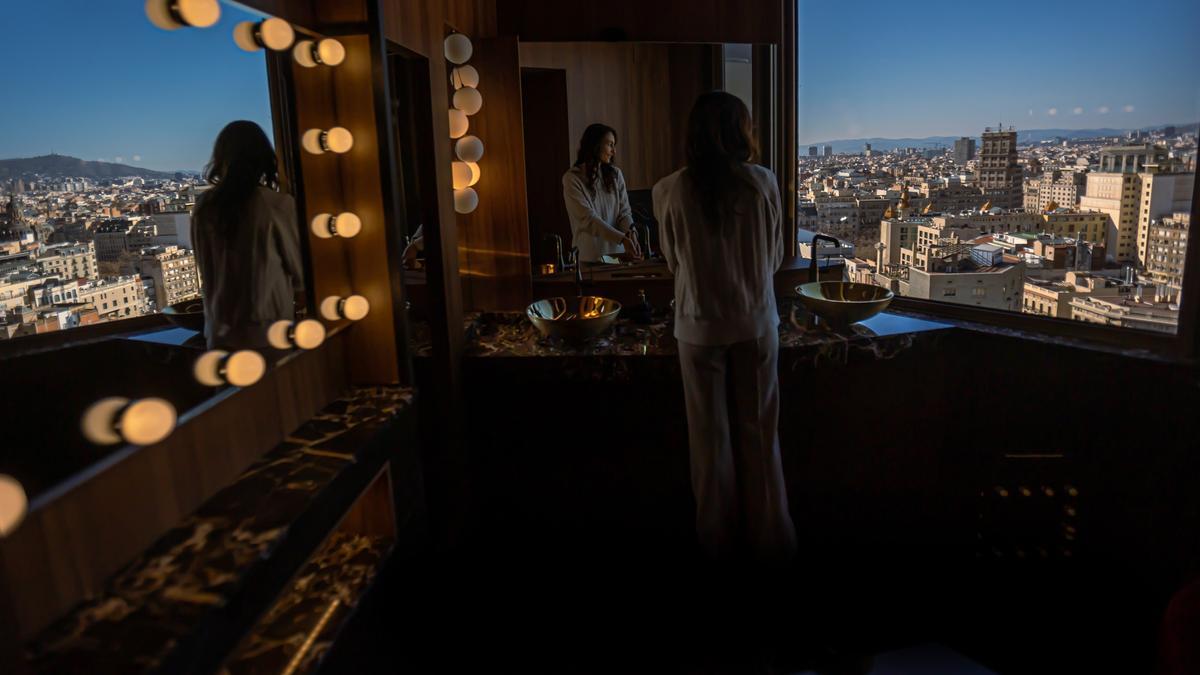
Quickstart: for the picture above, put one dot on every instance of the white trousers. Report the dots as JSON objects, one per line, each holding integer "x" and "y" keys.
{"x": 737, "y": 476}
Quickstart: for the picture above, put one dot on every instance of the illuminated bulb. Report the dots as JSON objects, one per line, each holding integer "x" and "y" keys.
{"x": 174, "y": 14}
{"x": 273, "y": 33}
{"x": 465, "y": 174}
{"x": 475, "y": 173}
{"x": 464, "y": 76}
{"x": 468, "y": 100}
{"x": 469, "y": 149}
{"x": 465, "y": 200}
{"x": 331, "y": 52}
{"x": 337, "y": 139}
{"x": 142, "y": 422}
{"x": 353, "y": 308}
{"x": 457, "y": 48}
{"x": 344, "y": 224}
{"x": 241, "y": 368}
{"x": 307, "y": 334}
{"x": 311, "y": 54}
{"x": 458, "y": 123}
{"x": 13, "y": 504}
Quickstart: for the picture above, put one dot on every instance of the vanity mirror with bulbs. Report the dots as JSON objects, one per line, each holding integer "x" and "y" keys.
{"x": 105, "y": 273}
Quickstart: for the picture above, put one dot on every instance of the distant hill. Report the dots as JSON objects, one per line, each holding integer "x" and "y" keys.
{"x": 62, "y": 165}
{"x": 855, "y": 145}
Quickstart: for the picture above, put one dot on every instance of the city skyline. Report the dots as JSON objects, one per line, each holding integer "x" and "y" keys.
{"x": 140, "y": 96}
{"x": 881, "y": 69}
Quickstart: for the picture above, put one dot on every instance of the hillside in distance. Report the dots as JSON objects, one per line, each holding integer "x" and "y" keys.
{"x": 63, "y": 165}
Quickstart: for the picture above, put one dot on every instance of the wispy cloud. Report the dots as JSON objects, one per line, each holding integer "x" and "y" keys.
{"x": 1128, "y": 108}
{"x": 1078, "y": 110}
{"x": 1052, "y": 112}
{"x": 137, "y": 158}
{"x": 1103, "y": 110}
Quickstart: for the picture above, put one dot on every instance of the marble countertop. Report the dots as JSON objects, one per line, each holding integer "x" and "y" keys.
{"x": 179, "y": 586}
{"x": 510, "y": 334}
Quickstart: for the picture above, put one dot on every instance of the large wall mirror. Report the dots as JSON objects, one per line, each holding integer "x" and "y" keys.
{"x": 644, "y": 91}
{"x": 108, "y": 126}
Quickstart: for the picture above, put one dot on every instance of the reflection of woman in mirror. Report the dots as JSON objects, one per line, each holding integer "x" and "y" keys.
{"x": 594, "y": 191}
{"x": 720, "y": 225}
{"x": 415, "y": 249}
{"x": 247, "y": 241}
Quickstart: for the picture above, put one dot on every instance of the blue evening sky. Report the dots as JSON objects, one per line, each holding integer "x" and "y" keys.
{"x": 896, "y": 69}
{"x": 95, "y": 79}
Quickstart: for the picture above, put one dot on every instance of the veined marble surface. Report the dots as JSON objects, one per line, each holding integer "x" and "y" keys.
{"x": 198, "y": 566}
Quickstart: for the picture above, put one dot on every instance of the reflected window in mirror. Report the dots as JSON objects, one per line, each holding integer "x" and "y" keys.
{"x": 109, "y": 126}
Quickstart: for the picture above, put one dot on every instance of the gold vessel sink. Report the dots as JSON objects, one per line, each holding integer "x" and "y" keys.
{"x": 842, "y": 303}
{"x": 573, "y": 318}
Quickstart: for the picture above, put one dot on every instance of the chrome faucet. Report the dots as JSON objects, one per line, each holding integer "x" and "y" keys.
{"x": 813, "y": 273}
{"x": 558, "y": 250}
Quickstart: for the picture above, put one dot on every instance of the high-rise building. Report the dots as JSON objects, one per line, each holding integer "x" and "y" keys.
{"x": 1061, "y": 189}
{"x": 998, "y": 173}
{"x": 812, "y": 151}
{"x": 1165, "y": 190}
{"x": 173, "y": 269}
{"x": 829, "y": 151}
{"x": 867, "y": 149}
{"x": 964, "y": 150}
{"x": 1167, "y": 252}
{"x": 1117, "y": 195}
{"x": 115, "y": 297}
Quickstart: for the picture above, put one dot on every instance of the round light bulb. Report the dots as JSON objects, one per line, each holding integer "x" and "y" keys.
{"x": 198, "y": 13}
{"x": 331, "y": 52}
{"x": 276, "y": 34}
{"x": 159, "y": 14}
{"x": 329, "y": 308}
{"x": 458, "y": 123}
{"x": 339, "y": 140}
{"x": 476, "y": 173}
{"x": 97, "y": 422}
{"x": 243, "y": 37}
{"x": 308, "y": 334}
{"x": 147, "y": 421}
{"x": 303, "y": 53}
{"x": 347, "y": 224}
{"x": 278, "y": 334}
{"x": 355, "y": 307}
{"x": 457, "y": 48}
{"x": 244, "y": 368}
{"x": 465, "y": 200}
{"x": 463, "y": 174}
{"x": 311, "y": 141}
{"x": 469, "y": 149}
{"x": 13, "y": 504}
{"x": 468, "y": 100}
{"x": 207, "y": 368}
{"x": 320, "y": 225}
{"x": 464, "y": 76}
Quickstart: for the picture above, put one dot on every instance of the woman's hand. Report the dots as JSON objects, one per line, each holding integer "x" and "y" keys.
{"x": 632, "y": 248}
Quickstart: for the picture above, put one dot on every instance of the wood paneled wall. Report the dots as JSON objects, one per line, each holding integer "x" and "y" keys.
{"x": 72, "y": 541}
{"x": 637, "y": 20}
{"x": 493, "y": 240}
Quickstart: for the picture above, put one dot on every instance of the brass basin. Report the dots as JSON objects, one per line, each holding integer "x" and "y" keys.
{"x": 573, "y": 318}
{"x": 842, "y": 302}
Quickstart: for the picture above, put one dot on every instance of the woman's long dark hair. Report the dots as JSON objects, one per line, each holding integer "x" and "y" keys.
{"x": 242, "y": 160}
{"x": 720, "y": 139}
{"x": 588, "y": 156}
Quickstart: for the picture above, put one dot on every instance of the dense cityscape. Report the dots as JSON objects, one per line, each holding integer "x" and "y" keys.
{"x": 1090, "y": 229}
{"x": 77, "y": 251}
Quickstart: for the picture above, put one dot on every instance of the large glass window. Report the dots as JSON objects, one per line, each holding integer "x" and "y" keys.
{"x": 971, "y": 143}
{"x": 106, "y": 126}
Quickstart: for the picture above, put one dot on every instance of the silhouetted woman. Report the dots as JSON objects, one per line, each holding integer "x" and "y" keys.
{"x": 247, "y": 241}
{"x": 596, "y": 199}
{"x": 720, "y": 228}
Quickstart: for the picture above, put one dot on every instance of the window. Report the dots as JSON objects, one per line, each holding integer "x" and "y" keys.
{"x": 1094, "y": 135}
